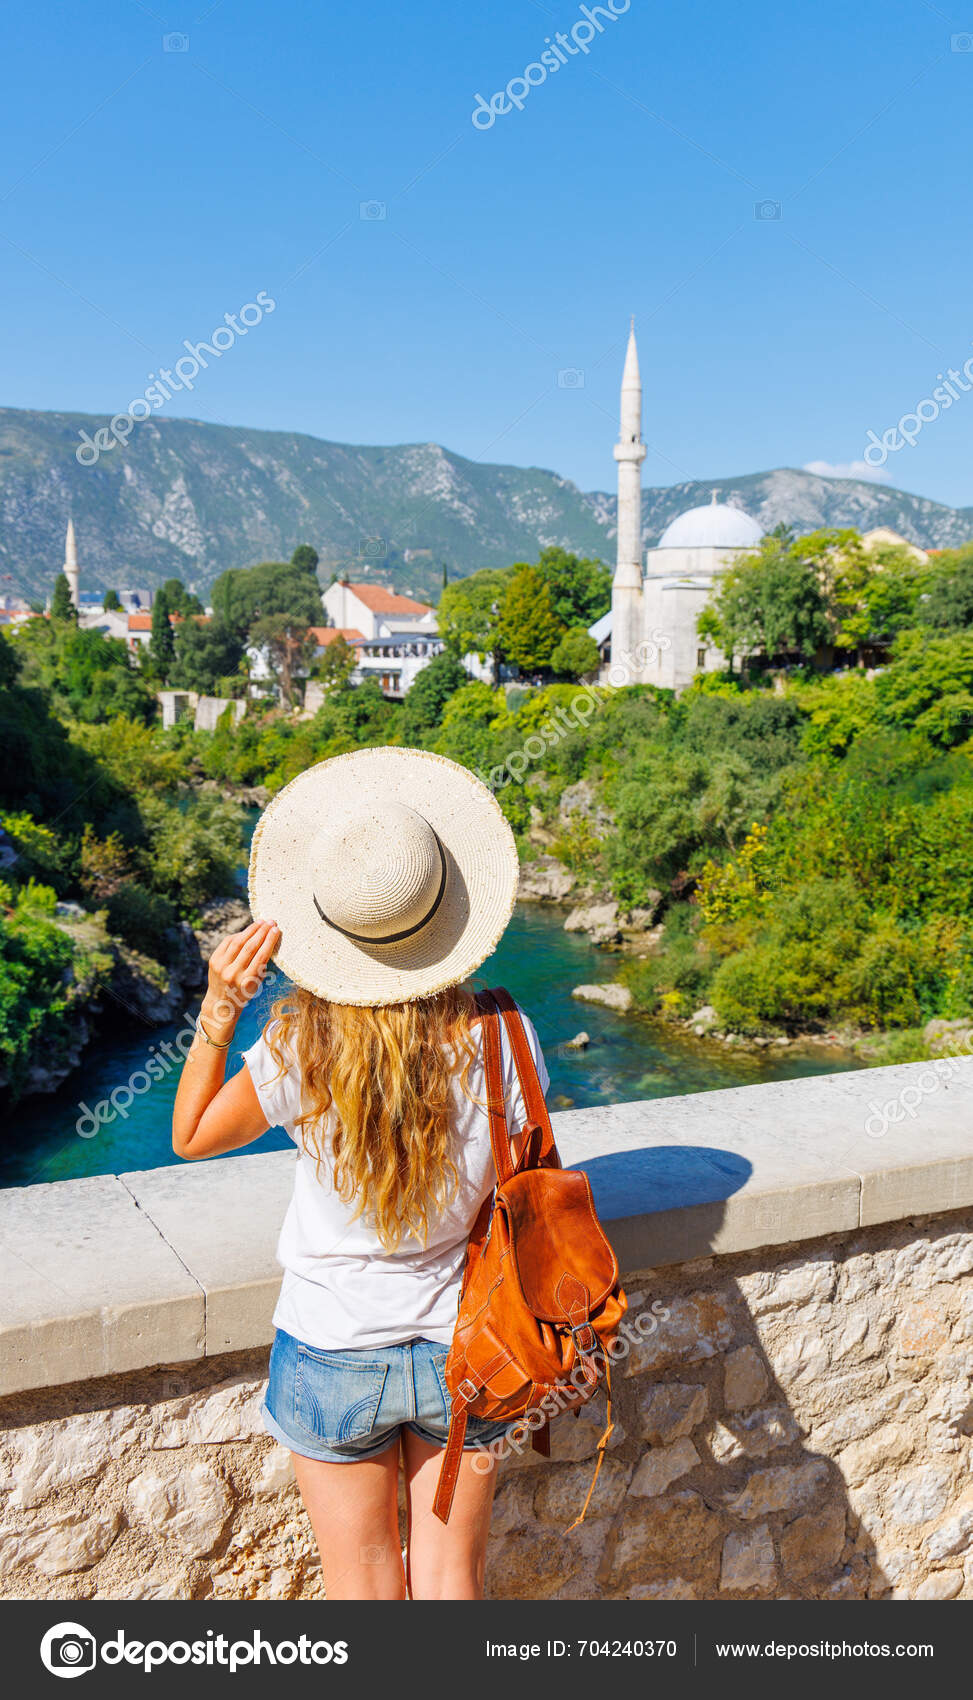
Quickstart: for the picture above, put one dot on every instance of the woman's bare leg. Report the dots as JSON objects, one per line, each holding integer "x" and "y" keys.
{"x": 446, "y": 1560}
{"x": 354, "y": 1514}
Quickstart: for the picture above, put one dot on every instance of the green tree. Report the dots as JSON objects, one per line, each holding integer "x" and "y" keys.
{"x": 948, "y": 602}
{"x": 180, "y": 600}
{"x": 289, "y": 649}
{"x": 473, "y": 725}
{"x": 335, "y": 664}
{"x": 9, "y": 663}
{"x": 162, "y": 644}
{"x": 580, "y": 588}
{"x": 768, "y": 604}
{"x": 929, "y": 686}
{"x": 206, "y": 653}
{"x": 427, "y": 696}
{"x": 112, "y": 602}
{"x": 529, "y": 627}
{"x": 305, "y": 559}
{"x": 577, "y": 655}
{"x": 243, "y": 595}
{"x": 62, "y": 608}
{"x": 469, "y": 616}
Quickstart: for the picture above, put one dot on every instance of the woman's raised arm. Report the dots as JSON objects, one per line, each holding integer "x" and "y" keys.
{"x": 211, "y": 1116}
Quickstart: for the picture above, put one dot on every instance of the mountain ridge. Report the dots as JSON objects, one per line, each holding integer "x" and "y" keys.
{"x": 186, "y": 498}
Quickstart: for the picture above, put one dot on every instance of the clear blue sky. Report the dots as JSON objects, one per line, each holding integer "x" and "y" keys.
{"x": 145, "y": 193}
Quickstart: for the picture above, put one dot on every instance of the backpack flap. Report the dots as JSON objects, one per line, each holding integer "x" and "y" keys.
{"x": 564, "y": 1265}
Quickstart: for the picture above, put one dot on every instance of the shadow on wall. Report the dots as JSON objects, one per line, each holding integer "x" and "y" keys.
{"x": 709, "y": 1487}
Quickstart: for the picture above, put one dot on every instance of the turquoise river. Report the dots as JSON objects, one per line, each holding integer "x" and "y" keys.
{"x": 74, "y": 1131}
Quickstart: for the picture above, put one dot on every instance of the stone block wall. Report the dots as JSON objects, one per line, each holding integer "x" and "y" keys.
{"x": 792, "y": 1423}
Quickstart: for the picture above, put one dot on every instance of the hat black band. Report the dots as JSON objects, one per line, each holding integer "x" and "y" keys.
{"x": 395, "y": 938}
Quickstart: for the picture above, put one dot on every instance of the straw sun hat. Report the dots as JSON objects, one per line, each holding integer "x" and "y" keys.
{"x": 390, "y": 872}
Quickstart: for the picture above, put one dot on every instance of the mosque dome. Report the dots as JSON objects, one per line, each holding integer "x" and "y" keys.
{"x": 714, "y": 526}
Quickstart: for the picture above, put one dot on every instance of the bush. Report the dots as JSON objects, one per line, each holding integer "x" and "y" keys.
{"x": 193, "y": 853}
{"x": 43, "y": 972}
{"x": 143, "y": 919}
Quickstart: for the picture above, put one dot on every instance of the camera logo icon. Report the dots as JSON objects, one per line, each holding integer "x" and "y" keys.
{"x": 373, "y": 548}
{"x": 570, "y": 378}
{"x": 370, "y": 210}
{"x": 766, "y": 209}
{"x": 68, "y": 1650}
{"x": 175, "y": 42}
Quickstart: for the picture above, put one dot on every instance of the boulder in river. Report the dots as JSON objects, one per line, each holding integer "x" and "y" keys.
{"x": 580, "y": 1042}
{"x": 704, "y": 1020}
{"x": 598, "y": 920}
{"x": 545, "y": 880}
{"x": 640, "y": 920}
{"x": 610, "y": 993}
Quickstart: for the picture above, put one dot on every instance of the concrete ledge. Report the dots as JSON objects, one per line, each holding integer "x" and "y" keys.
{"x": 89, "y": 1286}
{"x": 118, "y": 1273}
{"x": 222, "y": 1220}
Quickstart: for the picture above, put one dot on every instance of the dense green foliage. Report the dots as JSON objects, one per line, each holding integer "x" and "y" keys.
{"x": 244, "y": 595}
{"x": 97, "y": 808}
{"x": 521, "y": 614}
{"x": 208, "y": 655}
{"x": 805, "y": 833}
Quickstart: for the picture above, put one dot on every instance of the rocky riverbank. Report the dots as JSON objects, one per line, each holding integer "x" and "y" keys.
{"x": 118, "y": 982}
{"x": 594, "y": 911}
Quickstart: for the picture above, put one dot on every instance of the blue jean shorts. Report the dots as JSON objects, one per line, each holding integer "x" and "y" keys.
{"x": 344, "y": 1406}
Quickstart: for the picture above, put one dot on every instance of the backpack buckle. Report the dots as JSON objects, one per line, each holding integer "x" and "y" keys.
{"x": 467, "y": 1391}
{"x": 584, "y": 1346}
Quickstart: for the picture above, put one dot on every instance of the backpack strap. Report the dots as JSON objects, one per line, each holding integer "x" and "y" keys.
{"x": 449, "y": 1469}
{"x": 495, "y": 1100}
{"x": 503, "y": 1164}
{"x": 542, "y": 1151}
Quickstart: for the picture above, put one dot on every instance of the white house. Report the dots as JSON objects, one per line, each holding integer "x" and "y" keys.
{"x": 370, "y": 607}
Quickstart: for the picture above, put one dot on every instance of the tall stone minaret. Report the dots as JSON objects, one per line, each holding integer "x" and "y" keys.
{"x": 629, "y": 453}
{"x": 71, "y": 562}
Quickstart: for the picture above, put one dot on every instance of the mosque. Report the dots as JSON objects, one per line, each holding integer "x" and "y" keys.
{"x": 650, "y": 636}
{"x": 652, "y": 624}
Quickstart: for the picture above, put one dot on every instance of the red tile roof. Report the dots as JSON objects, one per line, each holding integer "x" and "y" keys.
{"x": 379, "y": 600}
{"x": 143, "y": 622}
{"x": 324, "y": 635}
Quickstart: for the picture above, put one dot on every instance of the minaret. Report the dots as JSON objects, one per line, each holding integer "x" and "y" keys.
{"x": 627, "y": 583}
{"x": 71, "y": 562}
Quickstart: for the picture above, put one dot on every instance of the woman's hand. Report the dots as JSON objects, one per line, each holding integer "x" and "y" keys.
{"x": 236, "y": 970}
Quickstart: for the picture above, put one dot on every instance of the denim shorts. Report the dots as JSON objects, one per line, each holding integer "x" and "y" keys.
{"x": 344, "y": 1406}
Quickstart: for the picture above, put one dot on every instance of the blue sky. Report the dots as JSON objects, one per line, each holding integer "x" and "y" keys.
{"x": 145, "y": 193}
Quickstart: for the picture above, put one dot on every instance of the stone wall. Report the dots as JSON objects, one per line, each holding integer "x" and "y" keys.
{"x": 791, "y": 1423}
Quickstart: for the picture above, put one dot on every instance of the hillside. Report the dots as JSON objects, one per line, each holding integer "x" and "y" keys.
{"x": 190, "y": 499}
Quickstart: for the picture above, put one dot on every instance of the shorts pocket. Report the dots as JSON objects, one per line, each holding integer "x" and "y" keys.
{"x": 337, "y": 1395}
{"x": 439, "y": 1365}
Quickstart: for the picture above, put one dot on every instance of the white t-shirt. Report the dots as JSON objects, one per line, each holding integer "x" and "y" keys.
{"x": 341, "y": 1288}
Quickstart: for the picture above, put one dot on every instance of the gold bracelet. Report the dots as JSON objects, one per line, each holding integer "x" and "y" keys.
{"x": 202, "y": 1031}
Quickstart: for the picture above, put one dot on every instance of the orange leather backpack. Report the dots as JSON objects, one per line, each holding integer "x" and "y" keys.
{"x": 540, "y": 1304}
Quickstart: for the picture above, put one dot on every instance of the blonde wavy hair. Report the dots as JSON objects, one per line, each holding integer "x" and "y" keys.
{"x": 387, "y": 1074}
